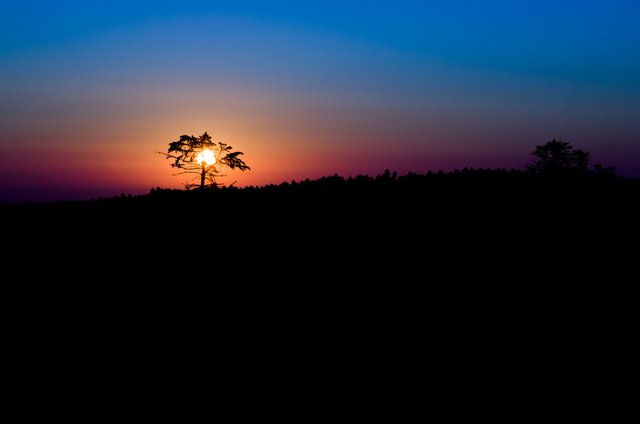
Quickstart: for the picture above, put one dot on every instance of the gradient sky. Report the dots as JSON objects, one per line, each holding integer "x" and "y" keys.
{"x": 89, "y": 90}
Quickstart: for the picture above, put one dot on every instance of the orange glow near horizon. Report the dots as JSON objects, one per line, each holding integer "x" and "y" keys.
{"x": 282, "y": 139}
{"x": 130, "y": 163}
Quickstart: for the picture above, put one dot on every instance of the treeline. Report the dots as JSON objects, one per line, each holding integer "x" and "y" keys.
{"x": 487, "y": 203}
{"x": 499, "y": 185}
{"x": 403, "y": 227}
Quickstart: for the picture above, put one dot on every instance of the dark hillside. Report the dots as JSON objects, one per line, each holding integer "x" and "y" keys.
{"x": 451, "y": 210}
{"x": 466, "y": 252}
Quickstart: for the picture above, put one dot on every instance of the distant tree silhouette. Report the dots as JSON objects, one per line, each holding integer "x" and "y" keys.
{"x": 607, "y": 171}
{"x": 203, "y": 157}
{"x": 557, "y": 157}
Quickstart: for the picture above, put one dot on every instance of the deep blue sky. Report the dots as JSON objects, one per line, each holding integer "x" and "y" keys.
{"x": 89, "y": 90}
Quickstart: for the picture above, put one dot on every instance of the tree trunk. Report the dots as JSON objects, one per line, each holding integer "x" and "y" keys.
{"x": 202, "y": 175}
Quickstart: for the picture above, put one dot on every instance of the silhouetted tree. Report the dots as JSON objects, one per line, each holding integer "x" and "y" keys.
{"x": 607, "y": 171}
{"x": 557, "y": 157}
{"x": 203, "y": 156}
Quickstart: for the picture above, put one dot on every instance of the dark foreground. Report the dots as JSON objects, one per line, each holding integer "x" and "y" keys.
{"x": 465, "y": 240}
{"x": 457, "y": 281}
{"x": 415, "y": 218}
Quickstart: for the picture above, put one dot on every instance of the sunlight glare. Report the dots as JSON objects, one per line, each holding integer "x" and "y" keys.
{"x": 207, "y": 157}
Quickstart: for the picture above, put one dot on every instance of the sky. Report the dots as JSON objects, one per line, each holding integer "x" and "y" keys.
{"x": 90, "y": 91}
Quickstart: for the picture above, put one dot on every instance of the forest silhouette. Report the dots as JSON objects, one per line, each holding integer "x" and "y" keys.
{"x": 467, "y": 192}
{"x": 466, "y": 226}
{"x": 557, "y": 207}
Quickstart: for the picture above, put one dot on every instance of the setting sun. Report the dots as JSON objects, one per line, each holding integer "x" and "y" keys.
{"x": 207, "y": 157}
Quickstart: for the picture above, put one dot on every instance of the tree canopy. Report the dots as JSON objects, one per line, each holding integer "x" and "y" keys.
{"x": 204, "y": 158}
{"x": 557, "y": 157}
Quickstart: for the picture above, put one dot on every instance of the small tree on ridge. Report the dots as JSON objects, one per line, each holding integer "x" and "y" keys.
{"x": 203, "y": 157}
{"x": 557, "y": 157}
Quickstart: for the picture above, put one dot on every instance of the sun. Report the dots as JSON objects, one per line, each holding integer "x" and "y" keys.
{"x": 206, "y": 157}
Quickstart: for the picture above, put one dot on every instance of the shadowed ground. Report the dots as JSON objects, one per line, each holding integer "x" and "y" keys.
{"x": 489, "y": 217}
{"x": 462, "y": 280}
